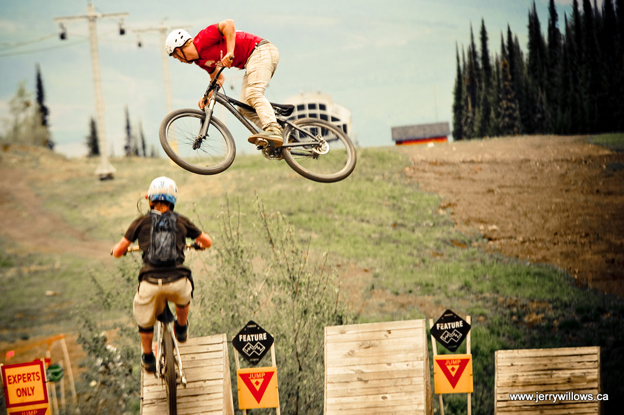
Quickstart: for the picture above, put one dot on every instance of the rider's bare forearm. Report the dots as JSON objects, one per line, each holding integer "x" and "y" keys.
{"x": 120, "y": 248}
{"x": 204, "y": 240}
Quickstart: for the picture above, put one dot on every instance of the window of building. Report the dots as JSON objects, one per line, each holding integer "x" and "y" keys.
{"x": 311, "y": 106}
{"x": 324, "y": 117}
{"x": 322, "y": 107}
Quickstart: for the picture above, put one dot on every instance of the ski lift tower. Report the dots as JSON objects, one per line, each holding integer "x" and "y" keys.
{"x": 105, "y": 170}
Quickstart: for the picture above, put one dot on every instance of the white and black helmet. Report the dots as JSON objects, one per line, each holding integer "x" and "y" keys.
{"x": 163, "y": 189}
{"x": 176, "y": 39}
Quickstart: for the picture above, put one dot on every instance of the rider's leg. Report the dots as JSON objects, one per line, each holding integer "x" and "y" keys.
{"x": 146, "y": 342}
{"x": 259, "y": 71}
{"x": 182, "y": 314}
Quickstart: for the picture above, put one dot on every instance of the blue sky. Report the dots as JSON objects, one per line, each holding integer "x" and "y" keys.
{"x": 381, "y": 59}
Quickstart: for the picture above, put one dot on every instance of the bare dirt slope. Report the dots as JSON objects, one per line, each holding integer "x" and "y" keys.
{"x": 556, "y": 200}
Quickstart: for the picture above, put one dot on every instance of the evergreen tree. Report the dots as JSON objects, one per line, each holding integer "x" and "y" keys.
{"x": 93, "y": 143}
{"x": 458, "y": 101}
{"x": 619, "y": 91}
{"x": 43, "y": 111}
{"x": 553, "y": 75}
{"x": 495, "y": 97}
{"x": 592, "y": 84}
{"x": 470, "y": 101}
{"x": 610, "y": 66}
{"x": 143, "y": 152}
{"x": 509, "y": 112}
{"x": 485, "y": 96}
{"x": 130, "y": 148}
{"x": 534, "y": 111}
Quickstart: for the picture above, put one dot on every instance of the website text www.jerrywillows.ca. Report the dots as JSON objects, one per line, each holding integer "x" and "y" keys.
{"x": 558, "y": 397}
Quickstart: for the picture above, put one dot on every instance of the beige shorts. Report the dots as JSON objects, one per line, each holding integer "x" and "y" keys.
{"x": 150, "y": 299}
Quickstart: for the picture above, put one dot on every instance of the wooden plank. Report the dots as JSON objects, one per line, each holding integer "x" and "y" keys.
{"x": 539, "y": 360}
{"x": 562, "y": 351}
{"x": 387, "y": 410}
{"x": 374, "y": 367}
{"x": 581, "y": 409}
{"x": 386, "y": 344}
{"x": 354, "y": 385}
{"x": 367, "y": 327}
{"x": 386, "y": 389}
{"x": 405, "y": 334}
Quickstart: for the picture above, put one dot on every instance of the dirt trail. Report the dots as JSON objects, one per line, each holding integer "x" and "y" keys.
{"x": 556, "y": 200}
{"x": 27, "y": 222}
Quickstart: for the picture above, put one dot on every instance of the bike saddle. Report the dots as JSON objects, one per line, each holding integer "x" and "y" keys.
{"x": 166, "y": 316}
{"x": 283, "y": 110}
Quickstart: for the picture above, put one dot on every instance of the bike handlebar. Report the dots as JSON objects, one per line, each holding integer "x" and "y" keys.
{"x": 195, "y": 246}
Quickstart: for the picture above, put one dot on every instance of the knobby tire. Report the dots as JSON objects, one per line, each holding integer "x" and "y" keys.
{"x": 179, "y": 130}
{"x": 334, "y": 166}
{"x": 170, "y": 373}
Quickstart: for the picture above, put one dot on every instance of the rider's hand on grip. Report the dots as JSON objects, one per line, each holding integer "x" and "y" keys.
{"x": 197, "y": 246}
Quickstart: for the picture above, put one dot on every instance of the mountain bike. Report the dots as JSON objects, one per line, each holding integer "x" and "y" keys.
{"x": 200, "y": 143}
{"x": 168, "y": 361}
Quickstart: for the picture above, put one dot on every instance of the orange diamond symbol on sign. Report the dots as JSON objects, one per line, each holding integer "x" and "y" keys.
{"x": 453, "y": 371}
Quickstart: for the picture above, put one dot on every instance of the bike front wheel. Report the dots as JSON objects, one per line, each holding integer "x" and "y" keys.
{"x": 327, "y": 155}
{"x": 170, "y": 374}
{"x": 179, "y": 137}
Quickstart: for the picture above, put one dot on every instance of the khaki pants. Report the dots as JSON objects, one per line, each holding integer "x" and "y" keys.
{"x": 258, "y": 72}
{"x": 150, "y": 299}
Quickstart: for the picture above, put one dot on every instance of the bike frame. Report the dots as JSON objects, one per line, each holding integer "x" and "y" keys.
{"x": 161, "y": 328}
{"x": 229, "y": 103}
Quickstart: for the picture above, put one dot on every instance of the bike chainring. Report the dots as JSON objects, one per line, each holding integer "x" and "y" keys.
{"x": 271, "y": 152}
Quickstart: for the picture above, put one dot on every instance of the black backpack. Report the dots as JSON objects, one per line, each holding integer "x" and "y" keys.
{"x": 162, "y": 250}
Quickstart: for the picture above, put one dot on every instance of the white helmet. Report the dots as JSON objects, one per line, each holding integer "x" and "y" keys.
{"x": 163, "y": 189}
{"x": 176, "y": 39}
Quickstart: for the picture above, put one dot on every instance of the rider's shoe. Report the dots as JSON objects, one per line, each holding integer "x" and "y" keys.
{"x": 272, "y": 134}
{"x": 148, "y": 362}
{"x": 180, "y": 332}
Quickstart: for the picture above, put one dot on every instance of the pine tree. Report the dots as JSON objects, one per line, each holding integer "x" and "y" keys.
{"x": 509, "y": 112}
{"x": 43, "y": 112}
{"x": 485, "y": 96}
{"x": 553, "y": 75}
{"x": 592, "y": 84}
{"x": 143, "y": 148}
{"x": 458, "y": 101}
{"x": 130, "y": 148}
{"x": 93, "y": 143}
{"x": 470, "y": 100}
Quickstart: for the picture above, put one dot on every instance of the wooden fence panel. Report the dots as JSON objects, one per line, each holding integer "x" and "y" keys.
{"x": 377, "y": 368}
{"x": 563, "y": 374}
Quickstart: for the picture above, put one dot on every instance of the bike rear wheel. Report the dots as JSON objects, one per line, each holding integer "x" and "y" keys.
{"x": 212, "y": 154}
{"x": 329, "y": 162}
{"x": 171, "y": 385}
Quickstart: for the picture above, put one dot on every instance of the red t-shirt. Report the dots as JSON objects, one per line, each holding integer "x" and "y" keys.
{"x": 211, "y": 46}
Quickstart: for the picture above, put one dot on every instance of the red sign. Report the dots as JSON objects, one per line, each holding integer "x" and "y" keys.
{"x": 257, "y": 386}
{"x": 453, "y": 372}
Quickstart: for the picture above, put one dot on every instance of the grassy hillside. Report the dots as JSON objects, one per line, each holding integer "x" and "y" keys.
{"x": 397, "y": 253}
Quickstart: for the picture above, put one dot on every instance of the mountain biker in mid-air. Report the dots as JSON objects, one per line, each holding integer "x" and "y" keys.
{"x": 222, "y": 44}
{"x": 162, "y": 237}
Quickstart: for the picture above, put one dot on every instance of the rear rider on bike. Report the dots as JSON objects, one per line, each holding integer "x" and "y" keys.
{"x": 221, "y": 44}
{"x": 162, "y": 237}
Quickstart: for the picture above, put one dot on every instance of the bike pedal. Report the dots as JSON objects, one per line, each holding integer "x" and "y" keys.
{"x": 261, "y": 143}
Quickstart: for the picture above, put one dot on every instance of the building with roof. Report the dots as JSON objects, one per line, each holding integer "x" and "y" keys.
{"x": 317, "y": 105}
{"x": 421, "y": 133}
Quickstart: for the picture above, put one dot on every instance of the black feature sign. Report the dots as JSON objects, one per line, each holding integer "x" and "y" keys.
{"x": 450, "y": 330}
{"x": 252, "y": 342}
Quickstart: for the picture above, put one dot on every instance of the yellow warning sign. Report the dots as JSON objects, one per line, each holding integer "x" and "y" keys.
{"x": 453, "y": 373}
{"x": 257, "y": 388}
{"x": 25, "y": 388}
